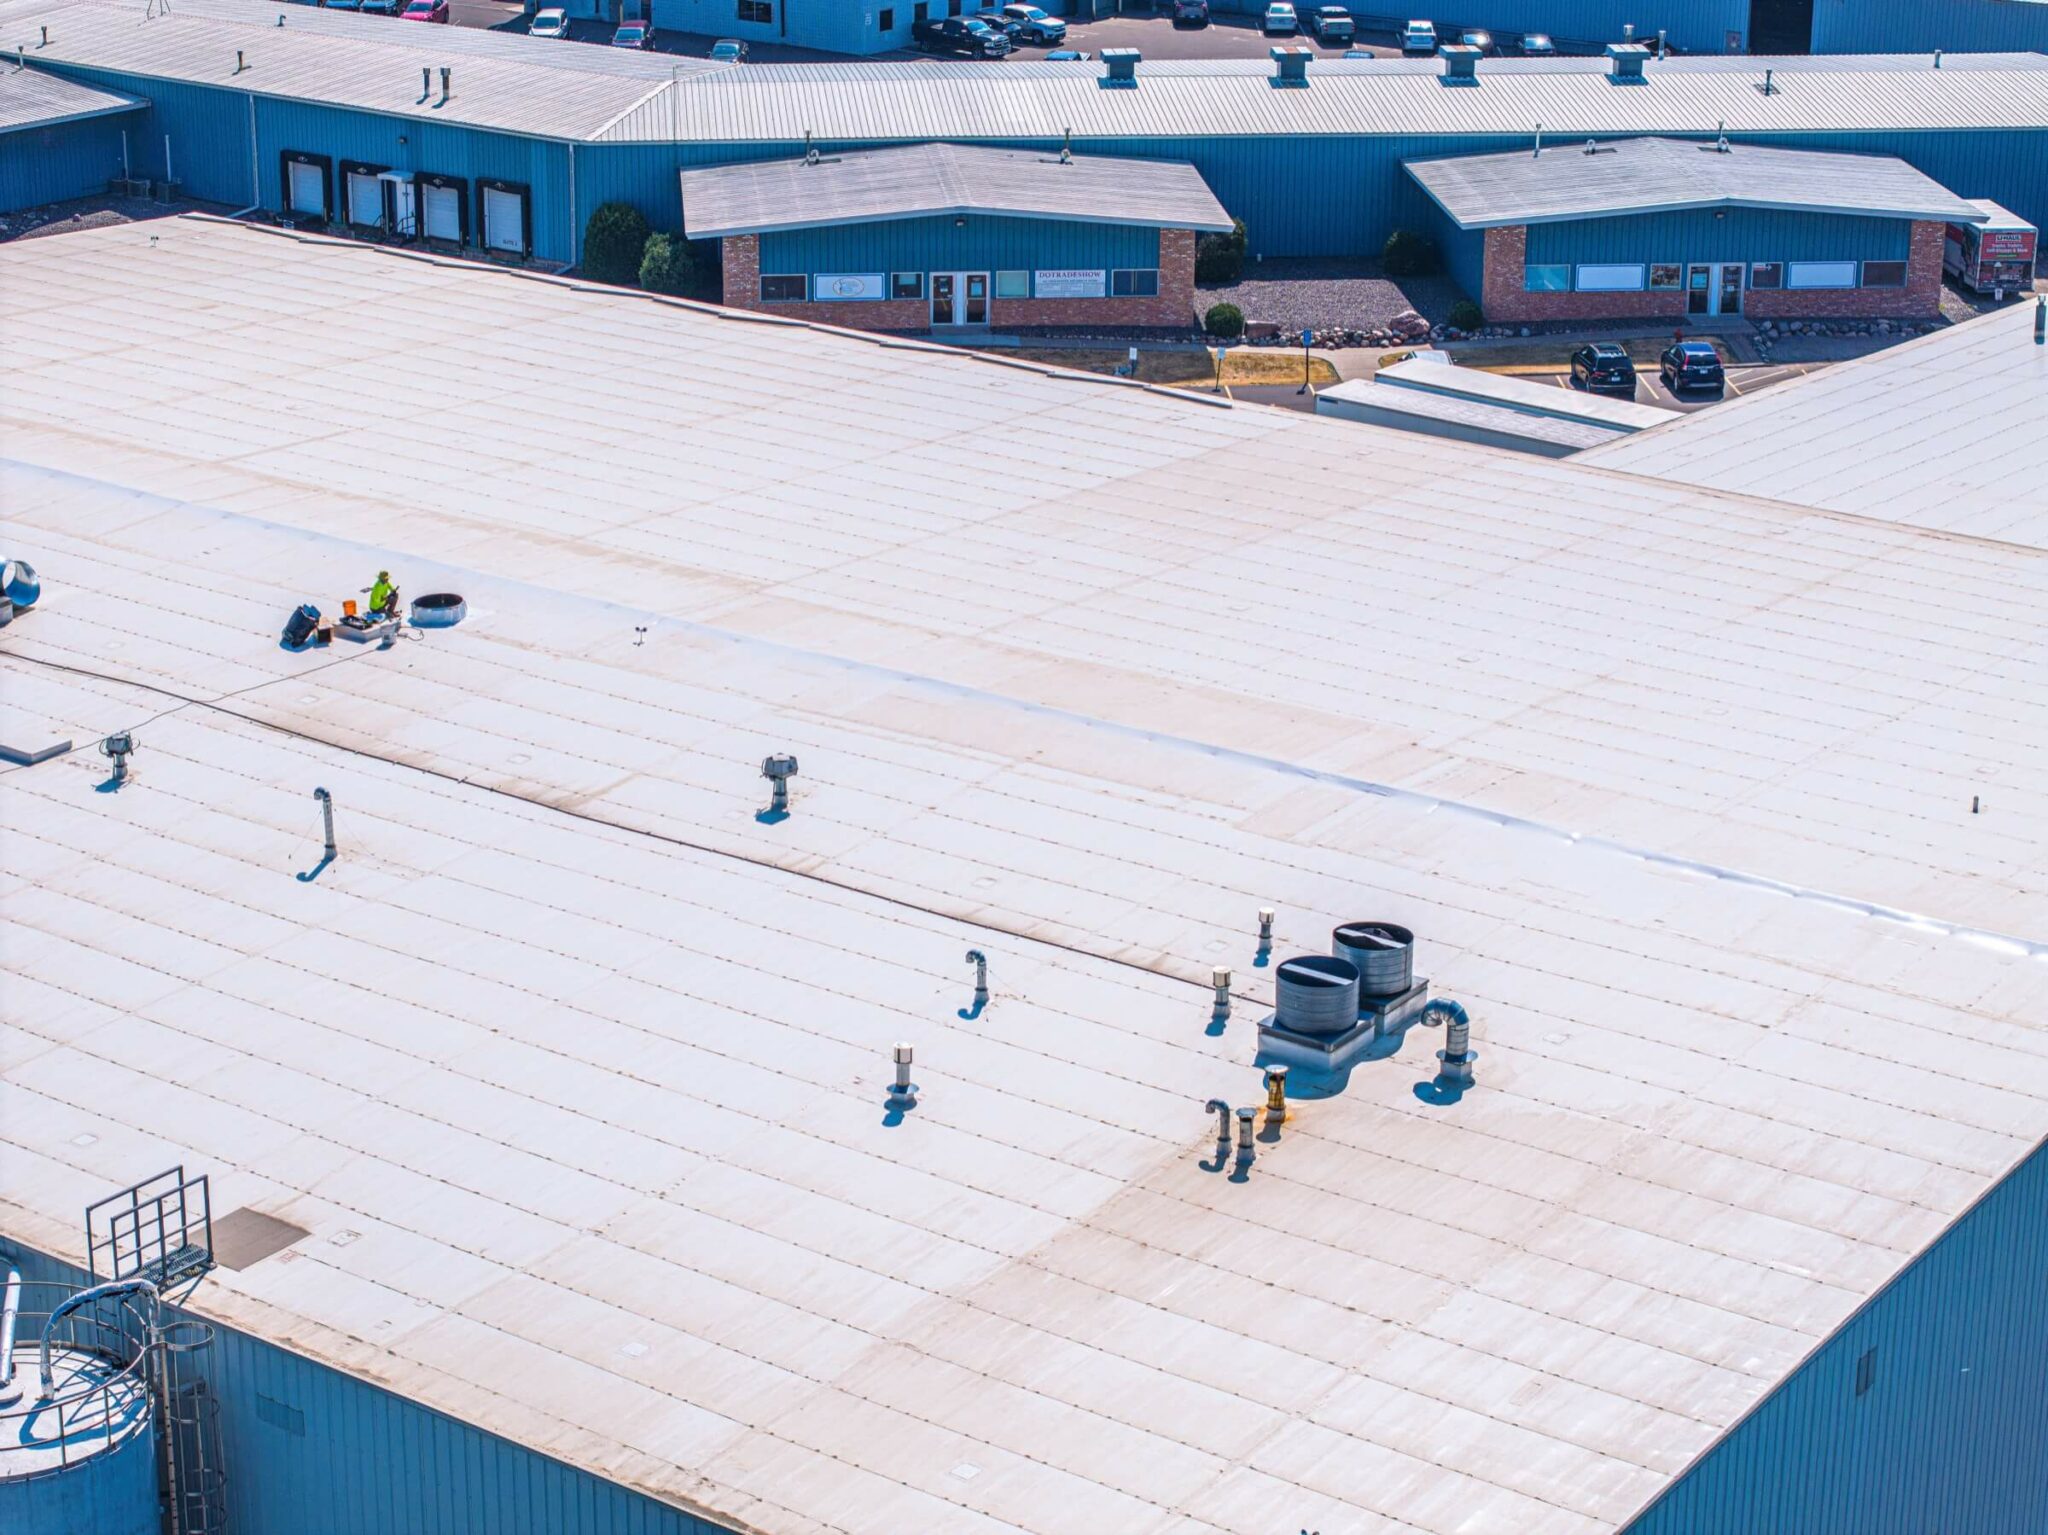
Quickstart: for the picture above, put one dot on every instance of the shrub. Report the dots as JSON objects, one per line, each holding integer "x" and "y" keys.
{"x": 1408, "y": 254}
{"x": 1220, "y": 258}
{"x": 613, "y": 242}
{"x": 1466, "y": 315}
{"x": 665, "y": 266}
{"x": 1224, "y": 321}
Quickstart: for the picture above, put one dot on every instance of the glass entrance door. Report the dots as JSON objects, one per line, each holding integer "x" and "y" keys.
{"x": 977, "y": 298}
{"x": 1730, "y": 293}
{"x": 942, "y": 298}
{"x": 1699, "y": 290}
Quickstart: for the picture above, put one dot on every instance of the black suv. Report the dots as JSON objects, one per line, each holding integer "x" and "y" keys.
{"x": 1604, "y": 368}
{"x": 956, "y": 34}
{"x": 1691, "y": 365}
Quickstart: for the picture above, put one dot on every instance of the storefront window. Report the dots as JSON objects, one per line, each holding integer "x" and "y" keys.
{"x": 1666, "y": 275}
{"x": 1547, "y": 279}
{"x": 1820, "y": 274}
{"x": 1142, "y": 282}
{"x": 1767, "y": 274}
{"x": 886, "y": 21}
{"x": 906, "y": 284}
{"x": 1013, "y": 285}
{"x": 1884, "y": 274}
{"x": 1610, "y": 277}
{"x": 783, "y": 290}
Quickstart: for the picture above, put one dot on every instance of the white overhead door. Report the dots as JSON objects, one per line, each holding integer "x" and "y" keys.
{"x": 441, "y": 213}
{"x": 308, "y": 189}
{"x": 365, "y": 198}
{"x": 504, "y": 220}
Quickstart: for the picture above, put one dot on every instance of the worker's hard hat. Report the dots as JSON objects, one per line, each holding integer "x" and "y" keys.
{"x": 383, "y": 575}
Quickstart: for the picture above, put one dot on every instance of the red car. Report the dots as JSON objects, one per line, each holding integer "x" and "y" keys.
{"x": 425, "y": 10}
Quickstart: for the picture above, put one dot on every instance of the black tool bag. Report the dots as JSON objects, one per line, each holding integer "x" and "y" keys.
{"x": 299, "y": 627}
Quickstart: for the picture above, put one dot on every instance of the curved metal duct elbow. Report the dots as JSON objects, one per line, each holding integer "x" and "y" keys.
{"x": 65, "y": 1307}
{"x": 1457, "y": 1054}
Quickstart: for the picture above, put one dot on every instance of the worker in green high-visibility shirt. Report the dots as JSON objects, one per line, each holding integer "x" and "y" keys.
{"x": 383, "y": 596}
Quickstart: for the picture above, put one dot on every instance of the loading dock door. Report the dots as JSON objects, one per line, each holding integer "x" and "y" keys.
{"x": 504, "y": 221}
{"x": 365, "y": 198}
{"x": 441, "y": 213}
{"x": 308, "y": 189}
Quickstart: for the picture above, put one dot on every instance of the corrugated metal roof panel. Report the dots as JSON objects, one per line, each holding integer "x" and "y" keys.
{"x": 1651, "y": 175}
{"x": 762, "y": 195}
{"x": 31, "y": 98}
{"x": 881, "y": 102}
{"x": 514, "y": 84}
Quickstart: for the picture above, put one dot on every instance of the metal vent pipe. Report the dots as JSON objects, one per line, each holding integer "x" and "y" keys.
{"x": 1457, "y": 1054}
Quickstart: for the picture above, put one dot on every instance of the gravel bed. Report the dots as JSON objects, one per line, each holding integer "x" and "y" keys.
{"x": 94, "y": 213}
{"x": 1294, "y": 294}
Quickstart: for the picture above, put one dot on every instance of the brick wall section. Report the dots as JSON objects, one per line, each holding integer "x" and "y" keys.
{"x": 1505, "y": 301}
{"x": 1919, "y": 299}
{"x": 1172, "y": 309}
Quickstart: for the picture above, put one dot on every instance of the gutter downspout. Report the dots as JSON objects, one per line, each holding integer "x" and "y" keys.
{"x": 255, "y": 164}
{"x": 575, "y": 221}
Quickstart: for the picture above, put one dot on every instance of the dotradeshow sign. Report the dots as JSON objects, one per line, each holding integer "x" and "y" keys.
{"x": 847, "y": 285}
{"x": 1070, "y": 282}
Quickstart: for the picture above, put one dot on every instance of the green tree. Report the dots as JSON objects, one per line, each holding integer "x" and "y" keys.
{"x": 1408, "y": 254}
{"x": 665, "y": 266}
{"x": 1224, "y": 321}
{"x": 1219, "y": 258}
{"x": 613, "y": 243}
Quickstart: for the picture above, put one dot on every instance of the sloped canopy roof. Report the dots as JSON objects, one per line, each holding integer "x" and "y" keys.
{"x": 30, "y": 98}
{"x": 927, "y": 179}
{"x": 1662, "y": 175}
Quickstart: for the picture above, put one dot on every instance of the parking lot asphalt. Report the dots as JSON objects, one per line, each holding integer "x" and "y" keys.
{"x": 1742, "y": 379}
{"x": 1155, "y": 36}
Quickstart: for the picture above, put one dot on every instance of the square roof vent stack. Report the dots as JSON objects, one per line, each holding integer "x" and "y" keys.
{"x": 1625, "y": 63}
{"x": 1290, "y": 64}
{"x": 1122, "y": 64}
{"x": 1461, "y": 64}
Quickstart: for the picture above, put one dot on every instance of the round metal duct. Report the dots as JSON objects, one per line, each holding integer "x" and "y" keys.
{"x": 1383, "y": 952}
{"x": 1316, "y": 994}
{"x": 438, "y": 610}
{"x": 18, "y": 581}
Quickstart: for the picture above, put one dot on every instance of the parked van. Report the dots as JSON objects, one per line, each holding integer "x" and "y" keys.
{"x": 1996, "y": 254}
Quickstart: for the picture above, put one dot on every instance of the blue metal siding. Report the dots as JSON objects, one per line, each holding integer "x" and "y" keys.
{"x": 937, "y": 245}
{"x": 1951, "y": 1437}
{"x": 1921, "y": 26}
{"x": 311, "y": 1451}
{"x": 1741, "y": 235}
{"x": 1464, "y": 250}
{"x": 48, "y": 165}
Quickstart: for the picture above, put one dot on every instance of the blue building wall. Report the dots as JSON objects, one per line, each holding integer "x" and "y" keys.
{"x": 939, "y": 245}
{"x": 1949, "y": 1435}
{"x": 1327, "y": 195}
{"x": 48, "y": 165}
{"x": 1744, "y": 234}
{"x": 311, "y": 1451}
{"x": 1921, "y": 26}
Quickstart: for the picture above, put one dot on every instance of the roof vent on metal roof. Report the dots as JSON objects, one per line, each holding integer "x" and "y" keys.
{"x": 426, "y": 81}
{"x": 447, "y": 81}
{"x": 1937, "y": 58}
{"x": 1122, "y": 66}
{"x": 1625, "y": 63}
{"x": 1767, "y": 87}
{"x": 1066, "y": 146}
{"x": 810, "y": 149}
{"x": 240, "y": 63}
{"x": 1461, "y": 64}
{"x": 1290, "y": 64}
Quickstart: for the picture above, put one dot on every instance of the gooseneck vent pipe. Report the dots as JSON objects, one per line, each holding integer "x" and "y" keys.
{"x": 1457, "y": 1054}
{"x": 85, "y": 1298}
{"x": 1221, "y": 1110}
